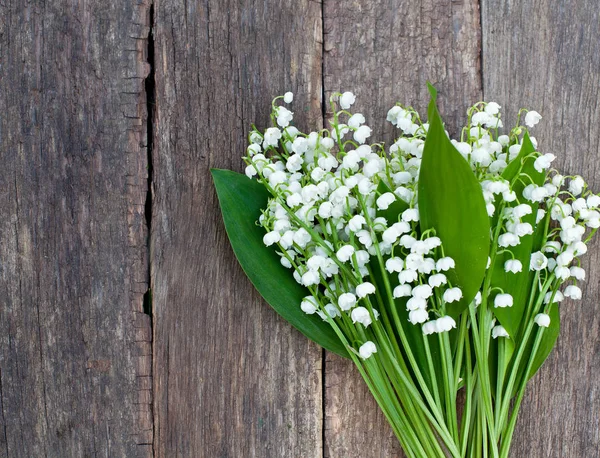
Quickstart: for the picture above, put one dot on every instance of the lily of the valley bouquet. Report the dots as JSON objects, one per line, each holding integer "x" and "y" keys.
{"x": 437, "y": 265}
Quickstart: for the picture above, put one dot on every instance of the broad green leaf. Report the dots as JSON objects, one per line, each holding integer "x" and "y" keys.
{"x": 518, "y": 285}
{"x": 451, "y": 202}
{"x": 395, "y": 209}
{"x": 242, "y": 200}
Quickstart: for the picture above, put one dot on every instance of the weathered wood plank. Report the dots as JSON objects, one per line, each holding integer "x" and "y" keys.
{"x": 543, "y": 55}
{"x": 73, "y": 267}
{"x": 232, "y": 379}
{"x": 385, "y": 51}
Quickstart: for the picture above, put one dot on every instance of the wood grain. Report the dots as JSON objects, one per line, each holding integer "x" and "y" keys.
{"x": 74, "y": 342}
{"x": 385, "y": 52}
{"x": 543, "y": 55}
{"x": 232, "y": 378}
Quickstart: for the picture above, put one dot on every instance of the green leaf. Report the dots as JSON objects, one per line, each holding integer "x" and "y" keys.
{"x": 519, "y": 285}
{"x": 451, "y": 202}
{"x": 242, "y": 200}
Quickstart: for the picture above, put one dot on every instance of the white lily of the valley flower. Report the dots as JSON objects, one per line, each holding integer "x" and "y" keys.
{"x": 444, "y": 264}
{"x": 444, "y": 324}
{"x": 271, "y": 237}
{"x": 361, "y": 315}
{"x": 513, "y": 265}
{"x": 347, "y": 99}
{"x": 418, "y": 316}
{"x": 499, "y": 331}
{"x": 345, "y": 253}
{"x": 576, "y": 185}
{"x": 364, "y": 289}
{"x": 356, "y": 120}
{"x": 272, "y": 136}
{"x": 361, "y": 134}
{"x": 578, "y": 273}
{"x": 384, "y": 201}
{"x": 284, "y": 116}
{"x": 437, "y": 280}
{"x": 532, "y": 118}
{"x": 452, "y": 295}
{"x": 411, "y": 214}
{"x": 503, "y": 300}
{"x": 346, "y": 301}
{"x": 538, "y": 261}
{"x": 404, "y": 290}
{"x": 543, "y": 162}
{"x": 356, "y": 223}
{"x": 422, "y": 291}
{"x": 542, "y": 320}
{"x": 508, "y": 239}
{"x": 367, "y": 349}
{"x": 394, "y": 265}
{"x": 309, "y": 305}
{"x": 572, "y": 291}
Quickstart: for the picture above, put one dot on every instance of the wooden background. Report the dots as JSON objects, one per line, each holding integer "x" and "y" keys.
{"x": 127, "y": 329}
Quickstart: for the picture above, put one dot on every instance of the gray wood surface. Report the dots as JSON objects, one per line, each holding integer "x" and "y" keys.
{"x": 74, "y": 342}
{"x": 232, "y": 379}
{"x": 80, "y": 140}
{"x": 543, "y": 55}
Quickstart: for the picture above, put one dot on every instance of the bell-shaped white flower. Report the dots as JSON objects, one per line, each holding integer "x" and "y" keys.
{"x": 418, "y": 316}
{"x": 404, "y": 290}
{"x": 437, "y": 280}
{"x": 542, "y": 320}
{"x": 361, "y": 315}
{"x": 532, "y": 118}
{"x": 499, "y": 331}
{"x": 513, "y": 265}
{"x": 503, "y": 300}
{"x": 384, "y": 201}
{"x": 572, "y": 291}
{"x": 444, "y": 324}
{"x": 346, "y": 301}
{"x": 367, "y": 349}
{"x": 452, "y": 295}
{"x": 347, "y": 99}
{"x": 345, "y": 253}
{"x": 309, "y": 305}
{"x": 394, "y": 265}
{"x": 364, "y": 289}
{"x": 444, "y": 264}
{"x": 538, "y": 261}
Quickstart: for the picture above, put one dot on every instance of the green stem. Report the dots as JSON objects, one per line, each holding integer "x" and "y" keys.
{"x": 514, "y": 373}
{"x": 484, "y": 388}
{"x": 507, "y": 435}
{"x": 449, "y": 384}
{"x": 443, "y": 429}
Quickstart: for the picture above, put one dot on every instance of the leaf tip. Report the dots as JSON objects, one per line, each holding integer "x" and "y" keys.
{"x": 432, "y": 90}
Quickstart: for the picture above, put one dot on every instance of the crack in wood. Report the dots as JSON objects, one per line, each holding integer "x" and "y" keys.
{"x": 150, "y": 90}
